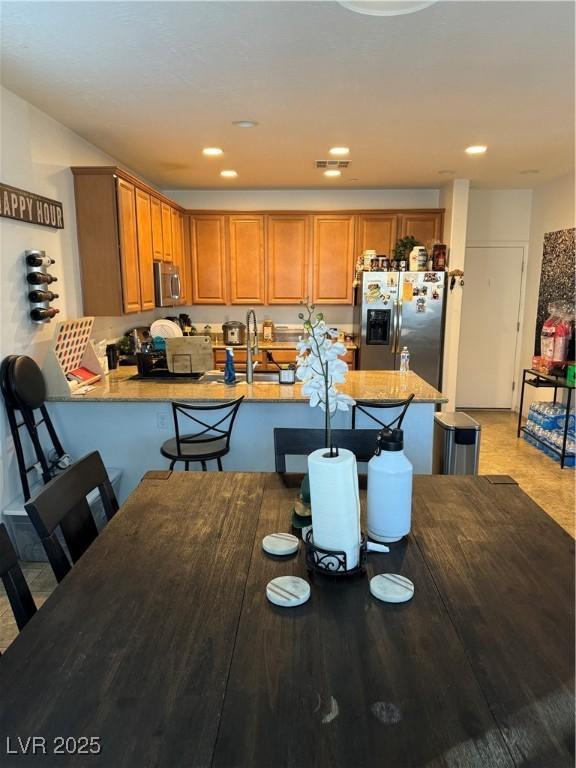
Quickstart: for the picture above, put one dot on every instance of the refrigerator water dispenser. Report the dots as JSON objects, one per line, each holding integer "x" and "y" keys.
{"x": 378, "y": 326}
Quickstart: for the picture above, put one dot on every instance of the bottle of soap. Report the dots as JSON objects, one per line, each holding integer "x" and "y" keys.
{"x": 229, "y": 370}
{"x": 389, "y": 488}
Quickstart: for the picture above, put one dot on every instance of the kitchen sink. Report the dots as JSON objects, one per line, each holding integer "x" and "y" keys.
{"x": 260, "y": 377}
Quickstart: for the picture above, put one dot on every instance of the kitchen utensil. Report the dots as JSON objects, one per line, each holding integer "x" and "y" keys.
{"x": 234, "y": 333}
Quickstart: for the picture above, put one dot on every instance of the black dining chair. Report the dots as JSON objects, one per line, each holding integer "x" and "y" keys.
{"x": 367, "y": 406}
{"x": 289, "y": 441}
{"x": 62, "y": 504}
{"x": 210, "y": 441}
{"x": 17, "y": 590}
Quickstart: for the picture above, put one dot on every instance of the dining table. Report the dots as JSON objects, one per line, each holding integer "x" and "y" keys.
{"x": 160, "y": 647}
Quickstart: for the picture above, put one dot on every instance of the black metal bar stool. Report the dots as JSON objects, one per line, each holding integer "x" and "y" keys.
{"x": 211, "y": 441}
{"x": 365, "y": 406}
{"x": 24, "y": 391}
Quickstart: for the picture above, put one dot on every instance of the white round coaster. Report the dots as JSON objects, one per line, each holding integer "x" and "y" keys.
{"x": 280, "y": 544}
{"x": 392, "y": 588}
{"x": 288, "y": 591}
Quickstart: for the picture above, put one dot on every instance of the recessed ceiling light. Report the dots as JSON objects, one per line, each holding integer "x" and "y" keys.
{"x": 229, "y": 174}
{"x": 211, "y": 151}
{"x": 529, "y": 172}
{"x": 244, "y": 123}
{"x": 476, "y": 149}
{"x": 332, "y": 173}
{"x": 446, "y": 172}
{"x": 340, "y": 151}
{"x": 385, "y": 7}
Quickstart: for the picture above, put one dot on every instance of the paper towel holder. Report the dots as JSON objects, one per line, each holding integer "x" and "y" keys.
{"x": 333, "y": 452}
{"x": 332, "y": 562}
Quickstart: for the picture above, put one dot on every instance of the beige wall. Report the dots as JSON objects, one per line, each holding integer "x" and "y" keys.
{"x": 552, "y": 210}
{"x": 37, "y": 153}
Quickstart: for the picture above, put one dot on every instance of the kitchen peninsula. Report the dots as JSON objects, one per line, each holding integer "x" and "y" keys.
{"x": 127, "y": 420}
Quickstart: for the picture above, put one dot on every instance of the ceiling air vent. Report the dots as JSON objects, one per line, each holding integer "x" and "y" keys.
{"x": 332, "y": 164}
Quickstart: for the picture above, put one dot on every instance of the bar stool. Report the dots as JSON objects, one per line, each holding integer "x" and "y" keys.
{"x": 365, "y": 406}
{"x": 211, "y": 441}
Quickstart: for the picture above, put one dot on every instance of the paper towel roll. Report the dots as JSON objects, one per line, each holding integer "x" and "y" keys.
{"x": 335, "y": 502}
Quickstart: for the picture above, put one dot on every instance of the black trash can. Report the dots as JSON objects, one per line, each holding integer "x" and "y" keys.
{"x": 456, "y": 444}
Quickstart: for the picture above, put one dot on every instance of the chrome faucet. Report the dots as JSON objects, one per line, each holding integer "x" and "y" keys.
{"x": 251, "y": 345}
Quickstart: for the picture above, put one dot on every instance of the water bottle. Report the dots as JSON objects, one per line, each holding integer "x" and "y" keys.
{"x": 404, "y": 360}
{"x": 389, "y": 488}
{"x": 229, "y": 369}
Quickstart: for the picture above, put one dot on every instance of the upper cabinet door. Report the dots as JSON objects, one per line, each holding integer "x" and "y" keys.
{"x": 333, "y": 259}
{"x": 208, "y": 259}
{"x": 128, "y": 246}
{"x": 167, "y": 232}
{"x": 287, "y": 251}
{"x": 178, "y": 252}
{"x": 376, "y": 232}
{"x": 157, "y": 247}
{"x": 145, "y": 252}
{"x": 247, "y": 279}
{"x": 426, "y": 227}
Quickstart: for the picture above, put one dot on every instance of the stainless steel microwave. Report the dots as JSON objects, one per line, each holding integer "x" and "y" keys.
{"x": 166, "y": 284}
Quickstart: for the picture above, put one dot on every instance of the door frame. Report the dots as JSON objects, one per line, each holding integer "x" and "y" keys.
{"x": 518, "y": 365}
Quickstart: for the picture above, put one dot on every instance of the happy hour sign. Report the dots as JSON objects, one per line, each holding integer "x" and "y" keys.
{"x": 26, "y": 206}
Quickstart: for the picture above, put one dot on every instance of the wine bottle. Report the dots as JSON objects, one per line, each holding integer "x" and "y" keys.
{"x": 38, "y": 315}
{"x": 37, "y": 260}
{"x": 36, "y": 297}
{"x": 40, "y": 278}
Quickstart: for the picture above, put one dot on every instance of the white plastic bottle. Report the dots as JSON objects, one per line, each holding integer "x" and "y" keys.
{"x": 389, "y": 488}
{"x": 404, "y": 360}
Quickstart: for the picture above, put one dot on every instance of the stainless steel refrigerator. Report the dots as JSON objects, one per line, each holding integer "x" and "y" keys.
{"x": 397, "y": 309}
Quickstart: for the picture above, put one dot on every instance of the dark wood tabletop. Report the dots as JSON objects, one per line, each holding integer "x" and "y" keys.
{"x": 162, "y": 648}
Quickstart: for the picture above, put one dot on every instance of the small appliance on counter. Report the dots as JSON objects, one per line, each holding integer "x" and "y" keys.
{"x": 234, "y": 333}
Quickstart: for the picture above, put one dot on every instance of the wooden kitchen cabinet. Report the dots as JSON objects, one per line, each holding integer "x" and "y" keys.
{"x": 287, "y": 246}
{"x": 239, "y": 358}
{"x": 333, "y": 257}
{"x": 166, "y": 232}
{"x": 178, "y": 258}
{"x": 208, "y": 259}
{"x": 247, "y": 276}
{"x": 145, "y": 249}
{"x": 156, "y": 213}
{"x": 425, "y": 226}
{"x": 377, "y": 232}
{"x": 128, "y": 246}
{"x": 118, "y": 240}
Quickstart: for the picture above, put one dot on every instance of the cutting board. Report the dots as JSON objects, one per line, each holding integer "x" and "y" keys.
{"x": 189, "y": 354}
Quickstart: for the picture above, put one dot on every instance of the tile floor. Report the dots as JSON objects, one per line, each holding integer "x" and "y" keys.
{"x": 501, "y": 453}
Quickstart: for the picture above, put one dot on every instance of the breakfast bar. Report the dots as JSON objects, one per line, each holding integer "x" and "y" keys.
{"x": 127, "y": 419}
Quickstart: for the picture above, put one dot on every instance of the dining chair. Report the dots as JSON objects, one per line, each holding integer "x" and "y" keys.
{"x": 62, "y": 504}
{"x": 211, "y": 441}
{"x": 366, "y": 406}
{"x": 289, "y": 441}
{"x": 17, "y": 590}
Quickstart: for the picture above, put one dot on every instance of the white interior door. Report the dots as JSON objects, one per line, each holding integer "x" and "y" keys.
{"x": 489, "y": 327}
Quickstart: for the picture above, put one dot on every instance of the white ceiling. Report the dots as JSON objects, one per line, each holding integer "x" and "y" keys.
{"x": 151, "y": 83}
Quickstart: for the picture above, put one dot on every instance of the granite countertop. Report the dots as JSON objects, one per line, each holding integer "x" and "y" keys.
{"x": 361, "y": 385}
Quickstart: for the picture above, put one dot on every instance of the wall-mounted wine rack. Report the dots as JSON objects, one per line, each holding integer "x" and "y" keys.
{"x": 39, "y": 282}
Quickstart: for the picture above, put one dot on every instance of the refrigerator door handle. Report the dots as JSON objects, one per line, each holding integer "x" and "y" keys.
{"x": 399, "y": 326}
